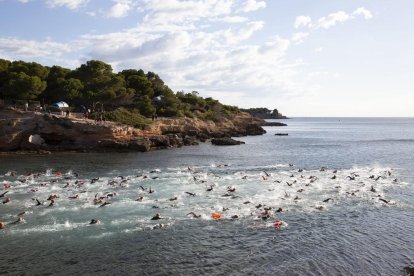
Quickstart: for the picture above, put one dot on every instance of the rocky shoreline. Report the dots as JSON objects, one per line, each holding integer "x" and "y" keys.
{"x": 35, "y": 132}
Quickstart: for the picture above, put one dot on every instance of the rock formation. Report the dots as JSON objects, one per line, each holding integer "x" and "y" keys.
{"x": 31, "y": 131}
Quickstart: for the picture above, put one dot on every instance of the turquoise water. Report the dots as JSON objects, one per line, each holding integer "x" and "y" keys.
{"x": 354, "y": 233}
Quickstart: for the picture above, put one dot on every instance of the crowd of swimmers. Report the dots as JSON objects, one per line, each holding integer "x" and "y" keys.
{"x": 263, "y": 212}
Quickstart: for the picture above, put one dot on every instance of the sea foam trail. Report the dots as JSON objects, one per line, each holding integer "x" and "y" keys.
{"x": 186, "y": 193}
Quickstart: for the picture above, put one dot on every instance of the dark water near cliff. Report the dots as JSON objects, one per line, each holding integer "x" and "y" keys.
{"x": 352, "y": 235}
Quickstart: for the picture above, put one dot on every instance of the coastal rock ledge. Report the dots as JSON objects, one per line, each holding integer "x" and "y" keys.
{"x": 35, "y": 131}
{"x": 226, "y": 142}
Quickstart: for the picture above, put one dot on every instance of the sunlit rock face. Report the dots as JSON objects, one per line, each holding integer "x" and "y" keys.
{"x": 36, "y": 131}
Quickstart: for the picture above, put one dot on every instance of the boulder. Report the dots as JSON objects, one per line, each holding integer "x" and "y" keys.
{"x": 141, "y": 145}
{"x": 254, "y": 129}
{"x": 226, "y": 142}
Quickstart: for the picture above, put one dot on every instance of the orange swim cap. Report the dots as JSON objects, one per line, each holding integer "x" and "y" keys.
{"x": 215, "y": 215}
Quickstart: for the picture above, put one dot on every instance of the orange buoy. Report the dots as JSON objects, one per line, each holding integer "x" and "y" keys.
{"x": 215, "y": 215}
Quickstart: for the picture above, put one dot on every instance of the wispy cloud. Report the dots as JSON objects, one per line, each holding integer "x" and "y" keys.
{"x": 330, "y": 20}
{"x": 70, "y": 4}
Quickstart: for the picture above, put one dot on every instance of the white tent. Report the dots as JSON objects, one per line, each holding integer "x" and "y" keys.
{"x": 60, "y": 104}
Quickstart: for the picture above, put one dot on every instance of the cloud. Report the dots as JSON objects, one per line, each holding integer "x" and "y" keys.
{"x": 70, "y": 4}
{"x": 302, "y": 21}
{"x": 32, "y": 49}
{"x": 299, "y": 38}
{"x": 251, "y": 5}
{"x": 330, "y": 20}
{"x": 362, "y": 11}
{"x": 120, "y": 9}
{"x": 230, "y": 19}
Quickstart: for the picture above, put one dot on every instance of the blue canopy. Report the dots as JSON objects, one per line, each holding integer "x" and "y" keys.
{"x": 60, "y": 104}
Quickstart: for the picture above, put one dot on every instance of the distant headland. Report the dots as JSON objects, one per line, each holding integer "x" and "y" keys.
{"x": 264, "y": 113}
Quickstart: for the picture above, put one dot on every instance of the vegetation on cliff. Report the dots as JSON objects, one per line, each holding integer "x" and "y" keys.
{"x": 127, "y": 96}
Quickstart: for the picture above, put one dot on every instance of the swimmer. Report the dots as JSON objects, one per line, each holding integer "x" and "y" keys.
{"x": 74, "y": 197}
{"x": 53, "y": 196}
{"x": 247, "y": 202}
{"x": 225, "y": 209}
{"x": 191, "y": 194}
{"x": 3, "y": 194}
{"x": 333, "y": 177}
{"x": 141, "y": 198}
{"x": 52, "y": 202}
{"x": 24, "y": 213}
{"x": 267, "y": 174}
{"x": 327, "y": 200}
{"x": 95, "y": 221}
{"x": 38, "y": 203}
{"x": 19, "y": 220}
{"x": 93, "y": 180}
{"x": 385, "y": 201}
{"x": 373, "y": 189}
{"x": 2, "y": 225}
{"x": 231, "y": 189}
{"x": 110, "y": 195}
{"x": 210, "y": 189}
{"x": 173, "y": 198}
{"x": 266, "y": 214}
{"x": 157, "y": 217}
{"x": 105, "y": 203}
{"x": 150, "y": 191}
{"x": 6, "y": 200}
{"x": 235, "y": 217}
{"x": 158, "y": 226}
{"x": 194, "y": 215}
{"x": 279, "y": 210}
{"x": 278, "y": 223}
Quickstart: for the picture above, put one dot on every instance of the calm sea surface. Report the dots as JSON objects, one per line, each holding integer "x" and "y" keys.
{"x": 360, "y": 222}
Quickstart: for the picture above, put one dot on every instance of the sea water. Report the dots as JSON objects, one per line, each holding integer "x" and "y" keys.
{"x": 344, "y": 185}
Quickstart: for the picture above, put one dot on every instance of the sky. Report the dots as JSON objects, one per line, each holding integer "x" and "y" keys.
{"x": 306, "y": 58}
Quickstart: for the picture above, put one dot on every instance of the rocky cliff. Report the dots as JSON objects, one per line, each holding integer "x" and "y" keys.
{"x": 31, "y": 131}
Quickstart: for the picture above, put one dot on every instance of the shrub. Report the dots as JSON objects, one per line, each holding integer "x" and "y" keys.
{"x": 124, "y": 116}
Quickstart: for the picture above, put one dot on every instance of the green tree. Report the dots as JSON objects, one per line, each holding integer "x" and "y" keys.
{"x": 32, "y": 69}
{"x": 145, "y": 106}
{"x": 141, "y": 85}
{"x": 23, "y": 87}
